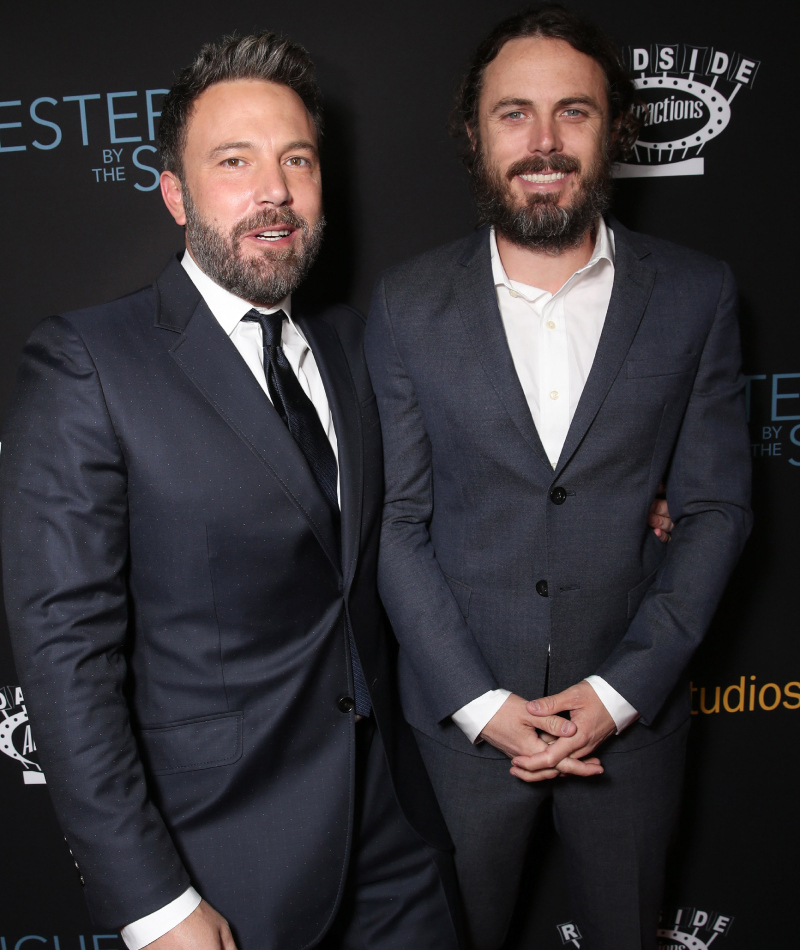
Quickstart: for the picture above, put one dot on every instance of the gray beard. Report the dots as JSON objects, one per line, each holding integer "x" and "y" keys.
{"x": 540, "y": 224}
{"x": 265, "y": 279}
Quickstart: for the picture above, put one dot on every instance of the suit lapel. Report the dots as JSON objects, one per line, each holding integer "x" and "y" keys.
{"x": 477, "y": 302}
{"x": 633, "y": 283}
{"x": 211, "y": 361}
{"x": 343, "y": 399}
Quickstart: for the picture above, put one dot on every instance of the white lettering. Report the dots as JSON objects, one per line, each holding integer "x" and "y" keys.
{"x": 666, "y": 60}
{"x": 720, "y": 63}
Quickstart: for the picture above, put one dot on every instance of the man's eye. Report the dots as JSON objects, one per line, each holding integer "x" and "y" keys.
{"x": 514, "y": 115}
{"x": 233, "y": 162}
{"x": 572, "y": 112}
{"x": 297, "y": 161}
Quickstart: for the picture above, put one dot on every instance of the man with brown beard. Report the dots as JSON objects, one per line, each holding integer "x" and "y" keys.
{"x": 191, "y": 499}
{"x": 536, "y": 383}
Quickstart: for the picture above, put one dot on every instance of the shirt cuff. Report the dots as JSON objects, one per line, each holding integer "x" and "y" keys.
{"x": 472, "y": 718}
{"x": 155, "y": 925}
{"x": 618, "y": 707}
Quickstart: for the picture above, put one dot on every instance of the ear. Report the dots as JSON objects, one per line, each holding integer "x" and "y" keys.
{"x": 473, "y": 139}
{"x": 172, "y": 193}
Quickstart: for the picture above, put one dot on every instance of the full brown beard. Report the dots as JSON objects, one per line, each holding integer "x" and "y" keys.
{"x": 262, "y": 279}
{"x": 540, "y": 223}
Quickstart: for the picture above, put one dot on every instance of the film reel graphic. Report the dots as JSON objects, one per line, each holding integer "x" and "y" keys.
{"x": 677, "y": 154}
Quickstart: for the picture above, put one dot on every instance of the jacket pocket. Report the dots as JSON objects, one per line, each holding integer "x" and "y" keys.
{"x": 637, "y": 594}
{"x": 462, "y": 594}
{"x": 662, "y": 366}
{"x": 204, "y": 743}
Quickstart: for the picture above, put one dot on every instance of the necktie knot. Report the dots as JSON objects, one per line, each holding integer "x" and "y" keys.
{"x": 271, "y": 325}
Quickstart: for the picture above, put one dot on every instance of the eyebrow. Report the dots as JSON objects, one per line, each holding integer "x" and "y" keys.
{"x": 566, "y": 101}
{"x": 292, "y": 146}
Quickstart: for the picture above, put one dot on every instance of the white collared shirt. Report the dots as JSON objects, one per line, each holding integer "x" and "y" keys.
{"x": 553, "y": 340}
{"x": 246, "y": 336}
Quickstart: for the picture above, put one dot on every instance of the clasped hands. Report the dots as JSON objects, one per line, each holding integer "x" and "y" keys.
{"x": 543, "y": 745}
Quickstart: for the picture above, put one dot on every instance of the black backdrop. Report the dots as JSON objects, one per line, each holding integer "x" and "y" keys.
{"x": 82, "y": 223}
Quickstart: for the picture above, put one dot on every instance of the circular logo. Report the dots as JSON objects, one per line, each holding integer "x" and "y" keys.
{"x": 682, "y": 115}
{"x": 681, "y": 939}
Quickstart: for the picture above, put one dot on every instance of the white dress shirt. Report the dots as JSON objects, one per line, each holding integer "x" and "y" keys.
{"x": 553, "y": 340}
{"x": 246, "y": 336}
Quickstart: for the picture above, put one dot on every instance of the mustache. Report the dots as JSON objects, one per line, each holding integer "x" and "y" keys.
{"x": 538, "y": 164}
{"x": 268, "y": 218}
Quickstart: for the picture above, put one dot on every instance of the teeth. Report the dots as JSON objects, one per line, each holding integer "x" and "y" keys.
{"x": 272, "y": 235}
{"x": 545, "y": 178}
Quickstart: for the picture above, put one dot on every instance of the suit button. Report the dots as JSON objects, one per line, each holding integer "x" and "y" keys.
{"x": 558, "y": 495}
{"x": 345, "y": 704}
{"x": 541, "y": 588}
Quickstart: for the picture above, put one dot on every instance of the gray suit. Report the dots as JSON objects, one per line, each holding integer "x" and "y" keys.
{"x": 489, "y": 556}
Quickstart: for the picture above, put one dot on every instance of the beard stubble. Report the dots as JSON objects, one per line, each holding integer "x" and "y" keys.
{"x": 263, "y": 279}
{"x": 540, "y": 223}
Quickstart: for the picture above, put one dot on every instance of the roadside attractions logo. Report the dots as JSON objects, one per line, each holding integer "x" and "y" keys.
{"x": 16, "y": 740}
{"x": 692, "y": 929}
{"x": 117, "y": 128}
{"x": 688, "y": 928}
{"x": 686, "y": 94}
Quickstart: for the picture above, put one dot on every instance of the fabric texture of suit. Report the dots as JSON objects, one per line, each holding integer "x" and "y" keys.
{"x": 471, "y": 525}
{"x": 497, "y": 570}
{"x": 179, "y": 607}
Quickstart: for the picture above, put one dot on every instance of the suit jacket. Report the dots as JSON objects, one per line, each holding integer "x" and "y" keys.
{"x": 472, "y": 524}
{"x": 178, "y": 605}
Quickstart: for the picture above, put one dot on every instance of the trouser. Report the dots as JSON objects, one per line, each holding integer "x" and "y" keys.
{"x": 615, "y": 829}
{"x": 400, "y": 893}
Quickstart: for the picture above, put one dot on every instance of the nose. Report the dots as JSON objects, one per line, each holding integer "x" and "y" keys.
{"x": 271, "y": 187}
{"x": 544, "y": 136}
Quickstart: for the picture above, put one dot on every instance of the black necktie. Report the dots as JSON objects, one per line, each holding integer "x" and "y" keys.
{"x": 302, "y": 421}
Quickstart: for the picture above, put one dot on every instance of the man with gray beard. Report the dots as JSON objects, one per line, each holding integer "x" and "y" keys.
{"x": 191, "y": 492}
{"x": 537, "y": 382}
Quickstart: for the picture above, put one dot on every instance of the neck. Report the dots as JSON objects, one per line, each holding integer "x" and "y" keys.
{"x": 541, "y": 268}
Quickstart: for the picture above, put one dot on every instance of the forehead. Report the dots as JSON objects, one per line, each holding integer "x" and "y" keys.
{"x": 543, "y": 70}
{"x": 248, "y": 108}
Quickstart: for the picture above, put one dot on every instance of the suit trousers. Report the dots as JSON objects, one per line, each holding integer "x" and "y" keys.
{"x": 615, "y": 830}
{"x": 400, "y": 893}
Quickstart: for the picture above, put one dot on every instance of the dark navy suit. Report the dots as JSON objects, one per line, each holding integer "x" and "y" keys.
{"x": 492, "y": 579}
{"x": 179, "y": 602}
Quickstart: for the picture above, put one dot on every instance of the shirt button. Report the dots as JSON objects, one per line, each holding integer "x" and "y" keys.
{"x": 551, "y": 325}
{"x": 513, "y": 293}
{"x": 554, "y": 394}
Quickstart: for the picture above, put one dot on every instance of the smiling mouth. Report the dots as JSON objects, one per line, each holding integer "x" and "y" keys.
{"x": 273, "y": 235}
{"x": 544, "y": 178}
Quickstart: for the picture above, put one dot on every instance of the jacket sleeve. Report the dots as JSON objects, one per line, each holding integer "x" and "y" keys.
{"x": 64, "y": 536}
{"x": 708, "y": 492}
{"x": 426, "y": 619}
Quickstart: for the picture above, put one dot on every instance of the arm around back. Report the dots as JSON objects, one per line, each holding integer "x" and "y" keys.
{"x": 708, "y": 491}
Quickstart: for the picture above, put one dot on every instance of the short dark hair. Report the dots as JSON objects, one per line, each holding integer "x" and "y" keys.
{"x": 264, "y": 56}
{"x": 552, "y": 21}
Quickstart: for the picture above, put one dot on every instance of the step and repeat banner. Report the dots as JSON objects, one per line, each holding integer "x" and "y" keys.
{"x": 83, "y": 221}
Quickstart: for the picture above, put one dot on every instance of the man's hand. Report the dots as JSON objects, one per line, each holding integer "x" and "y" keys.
{"x": 659, "y": 519}
{"x": 594, "y": 725}
{"x": 513, "y": 730}
{"x": 203, "y": 929}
